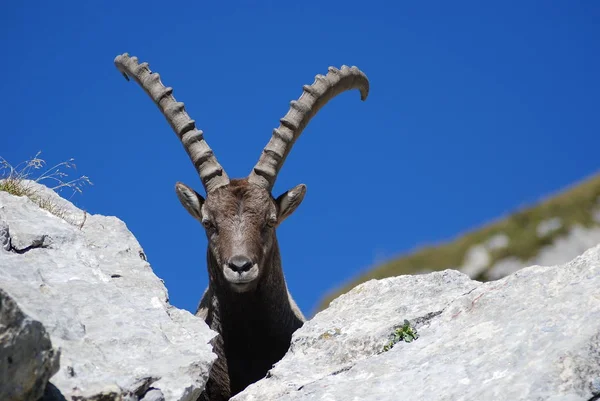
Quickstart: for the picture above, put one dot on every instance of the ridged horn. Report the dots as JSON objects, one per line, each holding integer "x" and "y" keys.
{"x": 299, "y": 115}
{"x": 210, "y": 171}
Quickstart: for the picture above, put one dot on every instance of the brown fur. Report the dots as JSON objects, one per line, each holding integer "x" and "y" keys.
{"x": 255, "y": 326}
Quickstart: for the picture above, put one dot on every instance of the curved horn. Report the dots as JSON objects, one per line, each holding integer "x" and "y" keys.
{"x": 299, "y": 115}
{"x": 211, "y": 173}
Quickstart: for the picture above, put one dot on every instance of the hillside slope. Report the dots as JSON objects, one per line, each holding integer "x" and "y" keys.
{"x": 550, "y": 232}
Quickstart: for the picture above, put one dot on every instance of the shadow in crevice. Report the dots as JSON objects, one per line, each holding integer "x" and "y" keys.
{"x": 52, "y": 393}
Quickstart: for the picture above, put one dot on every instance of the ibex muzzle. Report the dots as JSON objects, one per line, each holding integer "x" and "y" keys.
{"x": 247, "y": 301}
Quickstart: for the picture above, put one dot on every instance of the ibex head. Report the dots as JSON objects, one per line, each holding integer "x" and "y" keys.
{"x": 240, "y": 221}
{"x": 240, "y": 216}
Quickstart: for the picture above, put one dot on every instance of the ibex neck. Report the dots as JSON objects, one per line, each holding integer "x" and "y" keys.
{"x": 266, "y": 308}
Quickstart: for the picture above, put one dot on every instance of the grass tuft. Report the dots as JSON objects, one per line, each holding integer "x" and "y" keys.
{"x": 17, "y": 180}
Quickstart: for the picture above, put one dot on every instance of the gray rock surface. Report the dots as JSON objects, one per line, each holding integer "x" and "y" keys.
{"x": 27, "y": 358}
{"x": 534, "y": 335}
{"x": 549, "y": 226}
{"x": 477, "y": 260}
{"x": 92, "y": 288}
{"x": 496, "y": 242}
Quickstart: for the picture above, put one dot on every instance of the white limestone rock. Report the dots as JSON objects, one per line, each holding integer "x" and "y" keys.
{"x": 27, "y": 358}
{"x": 99, "y": 299}
{"x": 548, "y": 226}
{"x": 504, "y": 267}
{"x": 563, "y": 249}
{"x": 477, "y": 260}
{"x": 498, "y": 241}
{"x": 534, "y": 335}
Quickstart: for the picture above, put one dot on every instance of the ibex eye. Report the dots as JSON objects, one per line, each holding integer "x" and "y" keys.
{"x": 207, "y": 224}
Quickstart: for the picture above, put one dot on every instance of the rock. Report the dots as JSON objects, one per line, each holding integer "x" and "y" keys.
{"x": 92, "y": 288}
{"x": 548, "y": 226}
{"x": 496, "y": 242}
{"x": 533, "y": 335}
{"x": 577, "y": 240}
{"x": 154, "y": 395}
{"x": 476, "y": 261}
{"x": 504, "y": 267}
{"x": 477, "y": 258}
{"x": 4, "y": 236}
{"x": 27, "y": 359}
{"x": 563, "y": 249}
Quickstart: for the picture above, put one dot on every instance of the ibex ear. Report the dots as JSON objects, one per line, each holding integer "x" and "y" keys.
{"x": 191, "y": 200}
{"x": 289, "y": 201}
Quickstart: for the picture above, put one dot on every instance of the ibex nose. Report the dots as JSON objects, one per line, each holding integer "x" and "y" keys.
{"x": 239, "y": 264}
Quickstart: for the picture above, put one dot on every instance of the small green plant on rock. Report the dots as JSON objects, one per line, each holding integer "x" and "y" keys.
{"x": 404, "y": 333}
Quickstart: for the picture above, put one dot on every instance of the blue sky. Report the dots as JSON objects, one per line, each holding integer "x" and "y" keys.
{"x": 475, "y": 109}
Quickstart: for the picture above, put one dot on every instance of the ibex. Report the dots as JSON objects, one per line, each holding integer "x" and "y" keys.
{"x": 247, "y": 301}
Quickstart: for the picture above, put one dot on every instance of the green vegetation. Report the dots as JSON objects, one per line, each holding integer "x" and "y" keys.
{"x": 403, "y": 333}
{"x": 17, "y": 180}
{"x": 573, "y": 206}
